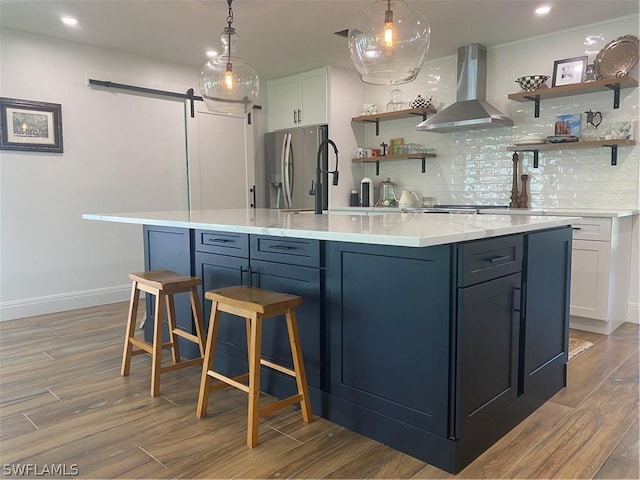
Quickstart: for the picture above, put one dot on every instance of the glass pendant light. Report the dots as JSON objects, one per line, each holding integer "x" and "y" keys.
{"x": 228, "y": 84}
{"x": 389, "y": 42}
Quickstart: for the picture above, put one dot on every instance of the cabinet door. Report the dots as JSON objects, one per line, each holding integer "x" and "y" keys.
{"x": 390, "y": 330}
{"x": 313, "y": 97}
{"x": 295, "y": 280}
{"x": 218, "y": 271}
{"x": 488, "y": 322}
{"x": 282, "y": 103}
{"x": 169, "y": 248}
{"x": 589, "y": 279}
{"x": 546, "y": 309}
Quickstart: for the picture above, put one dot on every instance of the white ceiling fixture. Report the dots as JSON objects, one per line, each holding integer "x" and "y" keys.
{"x": 228, "y": 84}
{"x": 388, "y": 42}
{"x": 69, "y": 21}
{"x": 543, "y": 10}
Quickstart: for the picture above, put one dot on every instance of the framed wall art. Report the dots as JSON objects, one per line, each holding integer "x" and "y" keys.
{"x": 30, "y": 126}
{"x": 569, "y": 70}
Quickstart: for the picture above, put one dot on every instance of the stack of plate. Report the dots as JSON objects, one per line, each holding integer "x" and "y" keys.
{"x": 530, "y": 140}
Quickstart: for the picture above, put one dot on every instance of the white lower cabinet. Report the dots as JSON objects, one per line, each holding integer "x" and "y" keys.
{"x": 600, "y": 273}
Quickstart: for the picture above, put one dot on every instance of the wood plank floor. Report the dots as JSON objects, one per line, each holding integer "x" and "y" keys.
{"x": 63, "y": 402}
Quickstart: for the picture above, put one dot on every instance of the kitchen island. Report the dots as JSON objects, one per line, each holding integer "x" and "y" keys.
{"x": 434, "y": 334}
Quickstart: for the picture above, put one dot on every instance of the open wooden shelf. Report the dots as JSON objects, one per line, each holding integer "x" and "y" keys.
{"x": 613, "y": 84}
{"x": 407, "y": 113}
{"x": 390, "y": 158}
{"x": 613, "y": 144}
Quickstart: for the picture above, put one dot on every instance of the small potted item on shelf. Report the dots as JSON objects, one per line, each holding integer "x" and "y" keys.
{"x": 369, "y": 109}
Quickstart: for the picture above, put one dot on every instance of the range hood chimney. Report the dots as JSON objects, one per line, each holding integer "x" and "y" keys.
{"x": 470, "y": 111}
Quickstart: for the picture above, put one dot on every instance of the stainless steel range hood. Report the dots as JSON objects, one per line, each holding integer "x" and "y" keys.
{"x": 470, "y": 111}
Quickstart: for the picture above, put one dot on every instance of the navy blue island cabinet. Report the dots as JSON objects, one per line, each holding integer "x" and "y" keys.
{"x": 435, "y": 351}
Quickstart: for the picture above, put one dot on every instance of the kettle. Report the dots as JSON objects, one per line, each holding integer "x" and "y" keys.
{"x": 408, "y": 199}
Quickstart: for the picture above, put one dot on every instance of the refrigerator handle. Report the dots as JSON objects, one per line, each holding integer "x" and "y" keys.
{"x": 289, "y": 172}
{"x": 286, "y": 159}
{"x": 282, "y": 170}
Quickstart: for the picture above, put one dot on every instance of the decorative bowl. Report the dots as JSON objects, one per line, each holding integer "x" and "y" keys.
{"x": 532, "y": 82}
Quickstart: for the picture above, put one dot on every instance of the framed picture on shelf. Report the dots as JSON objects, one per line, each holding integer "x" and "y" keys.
{"x": 394, "y": 143}
{"x": 569, "y": 70}
{"x": 568, "y": 124}
{"x": 30, "y": 126}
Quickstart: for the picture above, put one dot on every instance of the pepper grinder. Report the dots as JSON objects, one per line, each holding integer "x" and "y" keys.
{"x": 524, "y": 196}
{"x": 515, "y": 203}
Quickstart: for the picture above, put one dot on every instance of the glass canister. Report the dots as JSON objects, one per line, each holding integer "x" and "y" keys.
{"x": 386, "y": 194}
{"x": 396, "y": 102}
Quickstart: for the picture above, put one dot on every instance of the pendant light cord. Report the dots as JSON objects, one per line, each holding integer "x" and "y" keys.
{"x": 229, "y": 30}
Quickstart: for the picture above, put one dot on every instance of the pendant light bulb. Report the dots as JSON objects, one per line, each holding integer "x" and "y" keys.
{"x": 389, "y": 42}
{"x": 228, "y": 84}
{"x": 388, "y": 26}
{"x": 228, "y": 77}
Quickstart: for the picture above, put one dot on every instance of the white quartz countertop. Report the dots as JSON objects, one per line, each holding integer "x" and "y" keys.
{"x": 571, "y": 212}
{"x": 400, "y": 229}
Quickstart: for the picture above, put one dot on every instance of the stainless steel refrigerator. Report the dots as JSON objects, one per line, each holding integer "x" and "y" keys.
{"x": 290, "y": 165}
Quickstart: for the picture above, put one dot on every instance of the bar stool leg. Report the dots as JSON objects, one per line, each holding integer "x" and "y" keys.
{"x": 131, "y": 328}
{"x": 171, "y": 320}
{"x": 254, "y": 379}
{"x": 298, "y": 365}
{"x": 197, "y": 318}
{"x": 157, "y": 346}
{"x": 207, "y": 364}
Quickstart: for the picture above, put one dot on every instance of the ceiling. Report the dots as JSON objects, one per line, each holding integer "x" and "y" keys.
{"x": 279, "y": 37}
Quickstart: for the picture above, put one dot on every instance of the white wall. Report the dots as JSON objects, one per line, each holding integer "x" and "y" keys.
{"x": 122, "y": 152}
{"x": 474, "y": 166}
{"x": 346, "y": 96}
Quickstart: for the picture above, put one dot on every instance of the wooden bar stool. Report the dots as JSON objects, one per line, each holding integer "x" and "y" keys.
{"x": 254, "y": 305}
{"x": 163, "y": 284}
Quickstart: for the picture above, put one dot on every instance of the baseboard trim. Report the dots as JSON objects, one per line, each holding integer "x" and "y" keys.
{"x": 633, "y": 312}
{"x": 30, "y": 307}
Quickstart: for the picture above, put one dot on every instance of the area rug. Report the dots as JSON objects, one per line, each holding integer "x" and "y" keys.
{"x": 577, "y": 346}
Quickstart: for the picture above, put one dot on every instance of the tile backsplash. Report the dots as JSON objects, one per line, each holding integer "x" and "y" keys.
{"x": 475, "y": 166}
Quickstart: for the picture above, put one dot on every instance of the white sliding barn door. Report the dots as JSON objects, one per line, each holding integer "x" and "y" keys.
{"x": 220, "y": 160}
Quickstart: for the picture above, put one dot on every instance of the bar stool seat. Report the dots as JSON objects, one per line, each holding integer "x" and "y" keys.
{"x": 163, "y": 284}
{"x": 254, "y": 304}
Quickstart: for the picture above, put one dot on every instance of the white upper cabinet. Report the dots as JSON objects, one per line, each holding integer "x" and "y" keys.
{"x": 298, "y": 100}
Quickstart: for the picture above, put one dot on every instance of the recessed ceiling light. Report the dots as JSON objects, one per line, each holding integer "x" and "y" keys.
{"x": 543, "y": 10}
{"x": 212, "y": 53}
{"x": 70, "y": 21}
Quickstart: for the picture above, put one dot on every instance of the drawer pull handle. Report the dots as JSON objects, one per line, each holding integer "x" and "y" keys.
{"x": 218, "y": 240}
{"x": 576, "y": 228}
{"x": 500, "y": 259}
{"x": 281, "y": 247}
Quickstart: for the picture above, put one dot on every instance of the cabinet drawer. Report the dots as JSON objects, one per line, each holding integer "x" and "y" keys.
{"x": 226, "y": 243}
{"x": 592, "y": 228}
{"x": 293, "y": 251}
{"x": 484, "y": 260}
